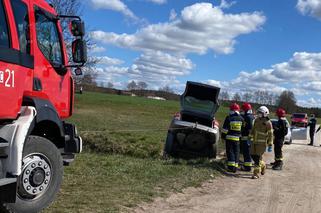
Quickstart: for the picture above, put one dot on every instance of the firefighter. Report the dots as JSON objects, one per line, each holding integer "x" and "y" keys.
{"x": 245, "y": 140}
{"x": 280, "y": 131}
{"x": 312, "y": 124}
{"x": 231, "y": 133}
{"x": 262, "y": 134}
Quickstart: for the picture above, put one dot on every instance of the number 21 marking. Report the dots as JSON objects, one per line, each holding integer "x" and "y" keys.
{"x": 10, "y": 79}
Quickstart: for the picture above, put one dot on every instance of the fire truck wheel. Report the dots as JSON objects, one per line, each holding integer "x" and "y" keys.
{"x": 41, "y": 177}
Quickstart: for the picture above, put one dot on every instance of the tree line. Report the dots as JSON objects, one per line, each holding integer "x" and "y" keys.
{"x": 286, "y": 100}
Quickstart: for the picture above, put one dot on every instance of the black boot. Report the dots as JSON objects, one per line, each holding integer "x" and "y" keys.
{"x": 278, "y": 166}
{"x": 231, "y": 169}
{"x": 246, "y": 168}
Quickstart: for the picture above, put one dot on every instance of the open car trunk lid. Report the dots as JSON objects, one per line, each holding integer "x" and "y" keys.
{"x": 199, "y": 103}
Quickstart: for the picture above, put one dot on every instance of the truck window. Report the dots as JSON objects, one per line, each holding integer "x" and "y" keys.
{"x": 4, "y": 38}
{"x": 48, "y": 38}
{"x": 20, "y": 12}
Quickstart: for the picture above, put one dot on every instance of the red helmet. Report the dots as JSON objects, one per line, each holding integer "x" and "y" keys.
{"x": 280, "y": 112}
{"x": 235, "y": 107}
{"x": 246, "y": 107}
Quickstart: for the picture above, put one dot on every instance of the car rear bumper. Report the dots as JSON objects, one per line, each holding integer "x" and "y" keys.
{"x": 177, "y": 125}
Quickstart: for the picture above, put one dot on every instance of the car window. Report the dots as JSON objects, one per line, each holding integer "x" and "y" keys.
{"x": 299, "y": 116}
{"x": 48, "y": 38}
{"x": 4, "y": 36}
{"x": 194, "y": 104}
{"x": 20, "y": 12}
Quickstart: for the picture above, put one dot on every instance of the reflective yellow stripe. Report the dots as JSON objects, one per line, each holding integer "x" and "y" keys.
{"x": 236, "y": 125}
{"x": 231, "y": 163}
{"x": 232, "y": 138}
{"x": 279, "y": 159}
{"x": 248, "y": 164}
{"x": 262, "y": 133}
{"x": 225, "y": 131}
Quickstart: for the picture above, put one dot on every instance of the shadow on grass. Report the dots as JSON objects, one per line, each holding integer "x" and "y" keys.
{"x": 215, "y": 165}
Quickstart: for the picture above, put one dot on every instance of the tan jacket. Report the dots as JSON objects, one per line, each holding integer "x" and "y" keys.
{"x": 262, "y": 135}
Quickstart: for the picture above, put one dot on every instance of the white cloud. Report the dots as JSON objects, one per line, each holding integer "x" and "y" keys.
{"x": 160, "y": 68}
{"x": 225, "y": 5}
{"x": 310, "y": 7}
{"x": 213, "y": 29}
{"x": 172, "y": 15}
{"x": 158, "y": 1}
{"x": 105, "y": 60}
{"x": 97, "y": 49}
{"x": 116, "y": 5}
{"x": 300, "y": 74}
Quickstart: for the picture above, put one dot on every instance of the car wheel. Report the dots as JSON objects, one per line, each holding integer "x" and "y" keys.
{"x": 168, "y": 149}
{"x": 41, "y": 177}
{"x": 213, "y": 151}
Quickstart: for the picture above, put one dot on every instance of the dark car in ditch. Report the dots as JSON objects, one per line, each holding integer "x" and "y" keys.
{"x": 194, "y": 132}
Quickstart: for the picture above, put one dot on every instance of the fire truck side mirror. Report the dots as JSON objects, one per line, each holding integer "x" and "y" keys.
{"x": 79, "y": 51}
{"x": 77, "y": 28}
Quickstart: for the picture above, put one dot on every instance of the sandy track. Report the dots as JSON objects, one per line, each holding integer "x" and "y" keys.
{"x": 295, "y": 189}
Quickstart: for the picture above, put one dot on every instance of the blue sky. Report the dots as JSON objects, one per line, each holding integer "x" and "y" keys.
{"x": 238, "y": 45}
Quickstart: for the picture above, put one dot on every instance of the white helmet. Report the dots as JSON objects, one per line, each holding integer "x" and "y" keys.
{"x": 264, "y": 111}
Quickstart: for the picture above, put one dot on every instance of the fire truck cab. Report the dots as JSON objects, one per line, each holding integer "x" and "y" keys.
{"x": 36, "y": 96}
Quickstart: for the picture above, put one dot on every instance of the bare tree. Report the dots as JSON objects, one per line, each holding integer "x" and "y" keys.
{"x": 287, "y": 101}
{"x": 132, "y": 85}
{"x": 247, "y": 97}
{"x": 110, "y": 85}
{"x": 237, "y": 97}
{"x": 166, "y": 89}
{"x": 142, "y": 85}
{"x": 224, "y": 95}
{"x": 75, "y": 8}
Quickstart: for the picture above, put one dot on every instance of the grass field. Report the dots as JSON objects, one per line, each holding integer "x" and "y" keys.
{"x": 121, "y": 165}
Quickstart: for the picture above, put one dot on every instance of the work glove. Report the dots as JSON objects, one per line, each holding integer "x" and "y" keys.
{"x": 269, "y": 149}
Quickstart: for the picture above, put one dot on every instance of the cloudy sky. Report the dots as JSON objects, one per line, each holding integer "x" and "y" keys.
{"x": 238, "y": 45}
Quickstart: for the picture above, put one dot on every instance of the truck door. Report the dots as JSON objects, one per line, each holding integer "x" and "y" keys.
{"x": 16, "y": 60}
{"x": 50, "y": 71}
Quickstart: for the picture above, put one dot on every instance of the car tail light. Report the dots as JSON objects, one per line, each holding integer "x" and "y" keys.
{"x": 178, "y": 116}
{"x": 215, "y": 124}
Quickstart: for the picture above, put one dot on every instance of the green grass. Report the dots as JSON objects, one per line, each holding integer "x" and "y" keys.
{"x": 132, "y": 126}
{"x": 121, "y": 165}
{"x": 109, "y": 183}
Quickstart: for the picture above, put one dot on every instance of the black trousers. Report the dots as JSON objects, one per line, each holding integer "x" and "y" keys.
{"x": 278, "y": 153}
{"x": 312, "y": 131}
{"x": 245, "y": 147}
{"x": 232, "y": 153}
{"x": 256, "y": 159}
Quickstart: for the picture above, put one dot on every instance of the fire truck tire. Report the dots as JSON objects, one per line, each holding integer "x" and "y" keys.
{"x": 41, "y": 177}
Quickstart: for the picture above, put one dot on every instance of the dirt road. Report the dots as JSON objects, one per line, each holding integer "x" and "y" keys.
{"x": 295, "y": 189}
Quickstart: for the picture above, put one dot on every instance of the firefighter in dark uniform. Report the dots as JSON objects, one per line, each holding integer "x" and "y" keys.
{"x": 245, "y": 140}
{"x": 231, "y": 133}
{"x": 280, "y": 131}
{"x": 312, "y": 124}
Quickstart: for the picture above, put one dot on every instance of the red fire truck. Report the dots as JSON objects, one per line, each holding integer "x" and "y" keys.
{"x": 36, "y": 96}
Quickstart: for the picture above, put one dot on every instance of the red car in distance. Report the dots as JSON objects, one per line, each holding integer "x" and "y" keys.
{"x": 299, "y": 120}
